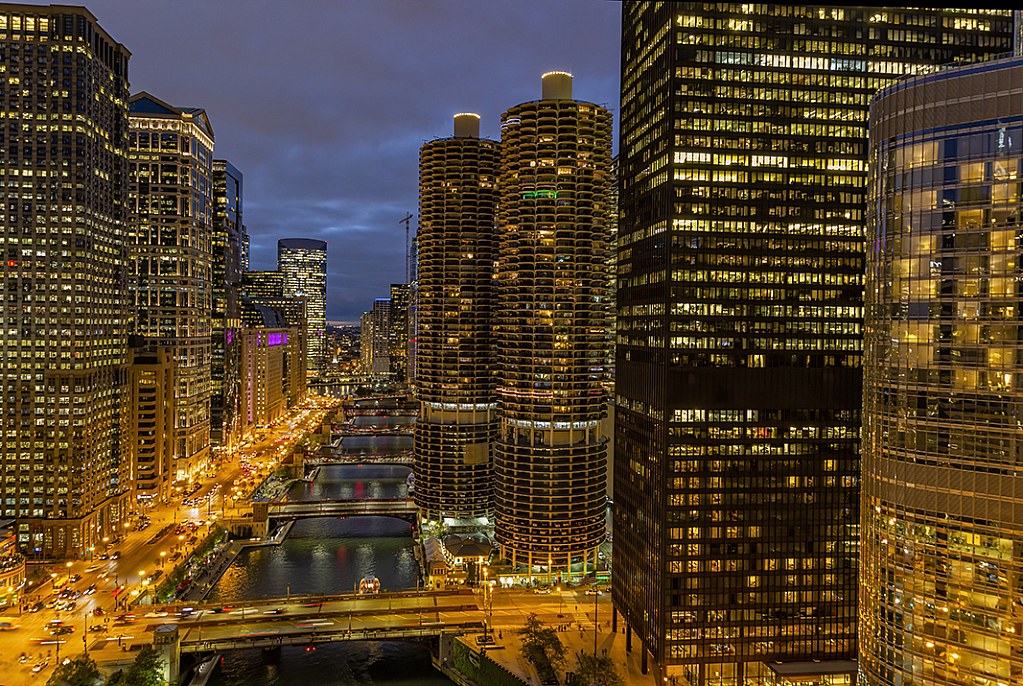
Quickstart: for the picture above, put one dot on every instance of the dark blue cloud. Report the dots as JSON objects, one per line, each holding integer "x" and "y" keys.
{"x": 323, "y": 104}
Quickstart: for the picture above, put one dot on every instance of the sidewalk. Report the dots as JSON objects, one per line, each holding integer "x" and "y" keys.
{"x": 506, "y": 650}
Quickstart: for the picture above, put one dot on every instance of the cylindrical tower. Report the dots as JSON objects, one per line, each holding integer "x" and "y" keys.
{"x": 456, "y": 251}
{"x": 941, "y": 546}
{"x": 550, "y": 461}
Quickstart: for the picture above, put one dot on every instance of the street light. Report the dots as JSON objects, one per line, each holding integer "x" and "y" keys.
{"x": 561, "y": 603}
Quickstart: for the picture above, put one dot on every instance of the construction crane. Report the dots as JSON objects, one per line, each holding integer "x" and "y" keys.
{"x": 408, "y": 273}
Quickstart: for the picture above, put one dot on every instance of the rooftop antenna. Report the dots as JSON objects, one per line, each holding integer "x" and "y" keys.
{"x": 407, "y": 273}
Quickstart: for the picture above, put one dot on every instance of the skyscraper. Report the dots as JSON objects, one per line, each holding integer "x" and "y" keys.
{"x": 170, "y": 266}
{"x": 942, "y": 521}
{"x": 399, "y": 329}
{"x": 303, "y": 261}
{"x": 550, "y": 460}
{"x": 227, "y": 240}
{"x": 263, "y": 284}
{"x": 66, "y": 446}
{"x": 740, "y": 281}
{"x": 455, "y": 252}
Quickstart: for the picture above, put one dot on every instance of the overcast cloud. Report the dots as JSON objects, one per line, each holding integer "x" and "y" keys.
{"x": 323, "y": 104}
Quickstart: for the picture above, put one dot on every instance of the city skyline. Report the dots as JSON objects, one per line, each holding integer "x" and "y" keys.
{"x": 330, "y": 151}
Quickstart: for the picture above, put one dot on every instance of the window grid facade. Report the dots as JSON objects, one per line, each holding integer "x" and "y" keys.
{"x": 63, "y": 166}
{"x": 456, "y": 249}
{"x": 942, "y": 553}
{"x": 171, "y": 199}
{"x": 303, "y": 261}
{"x": 740, "y": 263}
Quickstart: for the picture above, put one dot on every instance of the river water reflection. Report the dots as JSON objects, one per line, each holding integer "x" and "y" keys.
{"x": 331, "y": 556}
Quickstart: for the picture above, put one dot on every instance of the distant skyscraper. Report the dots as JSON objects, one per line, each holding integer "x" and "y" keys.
{"x": 170, "y": 266}
{"x": 399, "y": 329}
{"x": 380, "y": 316}
{"x": 303, "y": 262}
{"x": 455, "y": 252}
{"x": 740, "y": 282}
{"x": 550, "y": 460}
{"x": 228, "y": 239}
{"x": 65, "y": 447}
{"x": 413, "y": 311}
{"x": 942, "y": 520}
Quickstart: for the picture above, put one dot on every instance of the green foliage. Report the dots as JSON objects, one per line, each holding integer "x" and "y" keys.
{"x": 488, "y": 672}
{"x": 81, "y": 671}
{"x": 174, "y": 577}
{"x": 600, "y": 670}
{"x": 146, "y": 670}
{"x": 542, "y": 648}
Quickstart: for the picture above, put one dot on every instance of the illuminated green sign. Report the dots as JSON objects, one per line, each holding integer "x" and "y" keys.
{"x": 539, "y": 194}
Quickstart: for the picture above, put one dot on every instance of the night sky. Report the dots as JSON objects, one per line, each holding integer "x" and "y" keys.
{"x": 323, "y": 104}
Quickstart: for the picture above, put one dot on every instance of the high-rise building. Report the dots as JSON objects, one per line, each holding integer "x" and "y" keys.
{"x": 740, "y": 282}
{"x": 941, "y": 558}
{"x": 456, "y": 302}
{"x": 279, "y": 313}
{"x": 380, "y": 343}
{"x": 151, "y": 412}
{"x": 228, "y": 234}
{"x": 263, "y": 284}
{"x": 169, "y": 241}
{"x": 66, "y": 448}
{"x": 550, "y": 458}
{"x": 413, "y": 311}
{"x": 366, "y": 342}
{"x": 303, "y": 262}
{"x": 399, "y": 329}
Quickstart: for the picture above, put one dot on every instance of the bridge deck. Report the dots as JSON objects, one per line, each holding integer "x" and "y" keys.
{"x": 275, "y": 639}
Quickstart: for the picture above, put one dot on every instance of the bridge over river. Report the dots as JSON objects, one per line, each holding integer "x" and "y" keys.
{"x": 272, "y": 623}
{"x": 400, "y": 508}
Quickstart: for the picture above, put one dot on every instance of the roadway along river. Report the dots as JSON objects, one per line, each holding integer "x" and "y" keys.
{"x": 332, "y": 556}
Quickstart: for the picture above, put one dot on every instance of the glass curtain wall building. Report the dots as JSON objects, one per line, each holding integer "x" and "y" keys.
{"x": 66, "y": 450}
{"x": 455, "y": 381}
{"x": 170, "y": 270}
{"x": 228, "y": 232}
{"x": 942, "y": 547}
{"x": 303, "y": 261}
{"x": 264, "y": 284}
{"x": 550, "y": 459}
{"x": 740, "y": 309}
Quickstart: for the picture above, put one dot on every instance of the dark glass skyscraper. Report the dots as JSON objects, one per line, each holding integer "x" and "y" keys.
{"x": 228, "y": 238}
{"x": 942, "y": 550}
{"x": 456, "y": 248}
{"x": 740, "y": 281}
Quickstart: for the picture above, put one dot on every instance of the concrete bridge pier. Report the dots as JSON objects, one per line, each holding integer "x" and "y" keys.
{"x": 444, "y": 650}
{"x": 271, "y": 655}
{"x": 167, "y": 642}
